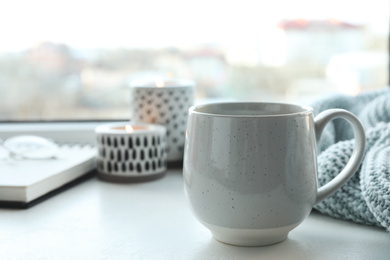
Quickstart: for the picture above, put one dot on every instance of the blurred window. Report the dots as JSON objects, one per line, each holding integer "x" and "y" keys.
{"x": 73, "y": 60}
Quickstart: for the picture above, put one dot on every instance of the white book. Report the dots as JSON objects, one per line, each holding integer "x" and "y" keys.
{"x": 25, "y": 182}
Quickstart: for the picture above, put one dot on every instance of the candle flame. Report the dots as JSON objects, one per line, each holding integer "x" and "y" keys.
{"x": 160, "y": 83}
{"x": 129, "y": 128}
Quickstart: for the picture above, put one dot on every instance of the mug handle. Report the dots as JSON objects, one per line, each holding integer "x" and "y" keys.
{"x": 320, "y": 122}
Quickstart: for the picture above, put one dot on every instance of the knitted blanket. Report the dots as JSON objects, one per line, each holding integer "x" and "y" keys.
{"x": 365, "y": 198}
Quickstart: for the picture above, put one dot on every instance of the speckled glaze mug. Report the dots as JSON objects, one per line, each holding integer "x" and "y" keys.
{"x": 250, "y": 169}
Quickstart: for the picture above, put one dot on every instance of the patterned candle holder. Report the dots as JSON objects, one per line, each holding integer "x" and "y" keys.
{"x": 131, "y": 152}
{"x": 165, "y": 103}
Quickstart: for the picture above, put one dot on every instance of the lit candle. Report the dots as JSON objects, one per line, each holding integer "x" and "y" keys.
{"x": 164, "y": 102}
{"x": 131, "y": 152}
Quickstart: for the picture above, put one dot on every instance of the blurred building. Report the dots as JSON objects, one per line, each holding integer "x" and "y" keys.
{"x": 49, "y": 57}
{"x": 209, "y": 68}
{"x": 315, "y": 42}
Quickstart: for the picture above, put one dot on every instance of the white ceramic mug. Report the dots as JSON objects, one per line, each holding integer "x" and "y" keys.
{"x": 250, "y": 169}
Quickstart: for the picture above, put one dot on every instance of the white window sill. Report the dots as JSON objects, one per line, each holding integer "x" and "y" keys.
{"x": 62, "y": 132}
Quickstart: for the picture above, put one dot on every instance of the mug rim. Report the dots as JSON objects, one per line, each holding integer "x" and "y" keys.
{"x": 303, "y": 109}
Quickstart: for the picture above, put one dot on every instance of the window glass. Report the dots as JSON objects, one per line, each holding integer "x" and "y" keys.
{"x": 71, "y": 59}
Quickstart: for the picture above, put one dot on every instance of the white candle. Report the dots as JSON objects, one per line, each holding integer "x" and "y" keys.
{"x": 164, "y": 102}
{"x": 131, "y": 151}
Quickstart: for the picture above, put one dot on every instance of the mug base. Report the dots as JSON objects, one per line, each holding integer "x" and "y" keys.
{"x": 249, "y": 237}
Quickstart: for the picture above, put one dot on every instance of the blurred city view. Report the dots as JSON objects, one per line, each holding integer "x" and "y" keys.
{"x": 296, "y": 61}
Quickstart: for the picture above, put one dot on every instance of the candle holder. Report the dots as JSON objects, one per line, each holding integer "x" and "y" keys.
{"x": 166, "y": 103}
{"x": 134, "y": 152}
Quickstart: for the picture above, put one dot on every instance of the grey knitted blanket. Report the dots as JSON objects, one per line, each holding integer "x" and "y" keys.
{"x": 365, "y": 198}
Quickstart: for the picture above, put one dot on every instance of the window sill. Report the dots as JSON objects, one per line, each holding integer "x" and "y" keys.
{"x": 62, "y": 132}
